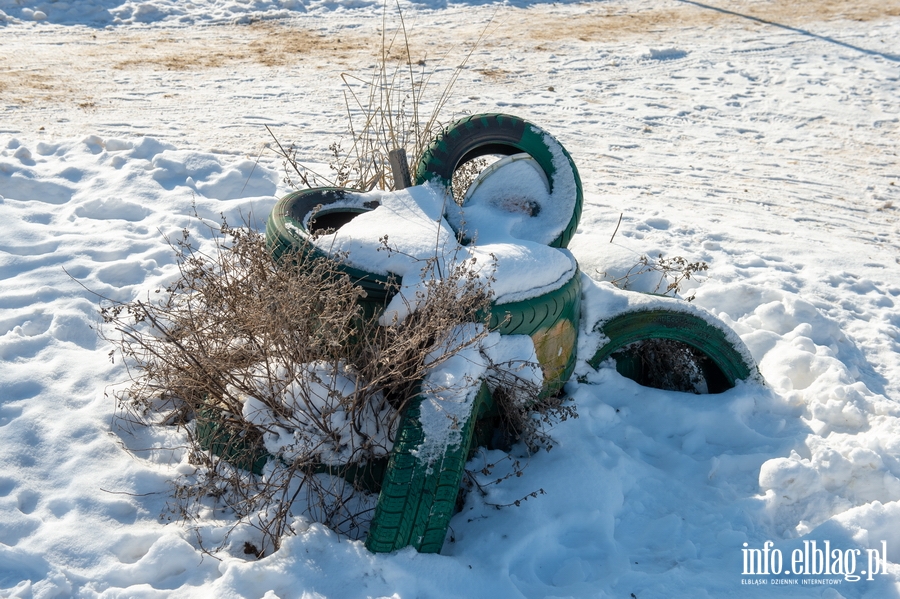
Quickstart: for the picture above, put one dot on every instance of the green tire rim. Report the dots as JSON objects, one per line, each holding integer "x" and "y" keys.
{"x": 418, "y": 499}
{"x": 502, "y": 134}
{"x": 690, "y": 329}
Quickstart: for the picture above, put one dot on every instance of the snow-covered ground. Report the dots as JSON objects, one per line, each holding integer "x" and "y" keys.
{"x": 758, "y": 136}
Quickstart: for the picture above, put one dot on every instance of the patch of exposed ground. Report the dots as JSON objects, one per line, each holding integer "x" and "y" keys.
{"x": 602, "y": 22}
{"x": 28, "y": 75}
{"x": 268, "y": 44}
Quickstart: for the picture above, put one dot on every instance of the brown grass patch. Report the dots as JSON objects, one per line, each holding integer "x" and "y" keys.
{"x": 268, "y": 44}
{"x": 493, "y": 74}
{"x": 609, "y": 23}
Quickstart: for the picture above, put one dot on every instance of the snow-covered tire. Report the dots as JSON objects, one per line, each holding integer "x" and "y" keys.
{"x": 731, "y": 360}
{"x": 287, "y": 233}
{"x": 552, "y": 322}
{"x": 418, "y": 497}
{"x": 502, "y": 134}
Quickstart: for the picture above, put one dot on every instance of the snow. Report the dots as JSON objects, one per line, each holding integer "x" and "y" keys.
{"x": 102, "y": 12}
{"x": 407, "y": 236}
{"x": 313, "y": 397}
{"x": 451, "y": 386}
{"x": 449, "y": 390}
{"x": 760, "y": 139}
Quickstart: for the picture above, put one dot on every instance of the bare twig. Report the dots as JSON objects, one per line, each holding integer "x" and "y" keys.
{"x": 621, "y": 214}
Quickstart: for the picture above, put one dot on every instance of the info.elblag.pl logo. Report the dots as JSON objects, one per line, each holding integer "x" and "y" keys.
{"x": 815, "y": 560}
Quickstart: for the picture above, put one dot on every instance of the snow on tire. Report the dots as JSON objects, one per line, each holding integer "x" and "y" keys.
{"x": 501, "y": 134}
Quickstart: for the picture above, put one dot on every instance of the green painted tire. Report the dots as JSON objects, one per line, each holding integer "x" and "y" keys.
{"x": 484, "y": 134}
{"x": 730, "y": 364}
{"x": 215, "y": 434}
{"x": 228, "y": 441}
{"x": 287, "y": 234}
{"x": 418, "y": 499}
{"x": 552, "y": 321}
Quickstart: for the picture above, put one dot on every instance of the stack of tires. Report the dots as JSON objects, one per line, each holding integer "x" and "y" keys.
{"x": 416, "y": 499}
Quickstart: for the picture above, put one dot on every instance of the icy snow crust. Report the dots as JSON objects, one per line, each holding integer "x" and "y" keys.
{"x": 767, "y": 152}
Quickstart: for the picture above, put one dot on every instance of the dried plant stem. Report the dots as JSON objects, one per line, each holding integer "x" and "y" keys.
{"x": 240, "y": 349}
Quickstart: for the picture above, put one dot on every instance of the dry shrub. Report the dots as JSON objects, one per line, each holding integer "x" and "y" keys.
{"x": 389, "y": 108}
{"x": 671, "y": 365}
{"x": 466, "y": 174}
{"x": 672, "y": 272}
{"x": 251, "y": 356}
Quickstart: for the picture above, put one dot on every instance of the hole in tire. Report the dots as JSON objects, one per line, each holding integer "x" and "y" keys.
{"x": 671, "y": 366}
{"x": 329, "y": 222}
{"x": 467, "y": 172}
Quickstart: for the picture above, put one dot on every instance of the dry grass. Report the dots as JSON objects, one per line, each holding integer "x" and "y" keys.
{"x": 253, "y": 348}
{"x": 386, "y": 111}
{"x": 89, "y": 55}
{"x": 267, "y": 44}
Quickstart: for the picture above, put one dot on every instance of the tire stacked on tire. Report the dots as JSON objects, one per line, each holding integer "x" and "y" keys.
{"x": 551, "y": 319}
{"x": 501, "y": 134}
{"x": 417, "y": 499}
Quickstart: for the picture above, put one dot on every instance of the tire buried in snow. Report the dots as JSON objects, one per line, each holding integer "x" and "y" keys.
{"x": 722, "y": 362}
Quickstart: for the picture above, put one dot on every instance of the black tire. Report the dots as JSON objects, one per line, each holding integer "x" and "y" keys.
{"x": 726, "y": 364}
{"x": 418, "y": 499}
{"x": 502, "y": 134}
{"x": 287, "y": 234}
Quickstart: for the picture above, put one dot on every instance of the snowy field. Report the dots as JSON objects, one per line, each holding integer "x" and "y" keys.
{"x": 759, "y": 136}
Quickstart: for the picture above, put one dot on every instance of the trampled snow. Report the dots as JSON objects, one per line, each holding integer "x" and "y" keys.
{"x": 758, "y": 137}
